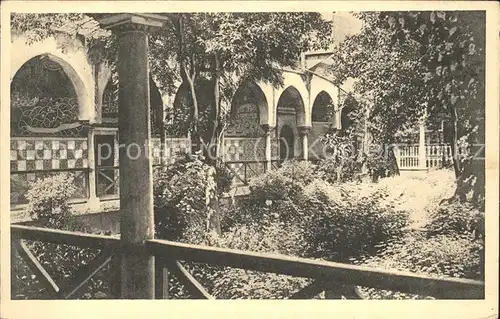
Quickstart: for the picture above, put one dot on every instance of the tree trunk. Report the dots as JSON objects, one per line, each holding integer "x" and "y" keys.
{"x": 216, "y": 130}
{"x": 189, "y": 77}
{"x": 213, "y": 151}
{"x": 195, "y": 119}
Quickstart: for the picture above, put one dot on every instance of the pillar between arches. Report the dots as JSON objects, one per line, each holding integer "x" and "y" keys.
{"x": 304, "y": 132}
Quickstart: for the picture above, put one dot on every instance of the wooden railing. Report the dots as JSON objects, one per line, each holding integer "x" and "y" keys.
{"x": 408, "y": 157}
{"x": 170, "y": 255}
{"x": 107, "y": 181}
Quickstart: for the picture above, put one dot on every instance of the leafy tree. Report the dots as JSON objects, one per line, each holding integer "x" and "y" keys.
{"x": 221, "y": 50}
{"x": 216, "y": 50}
{"x": 422, "y": 64}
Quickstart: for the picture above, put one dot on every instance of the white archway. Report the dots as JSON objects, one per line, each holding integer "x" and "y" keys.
{"x": 74, "y": 65}
{"x": 319, "y": 85}
{"x": 292, "y": 79}
{"x": 258, "y": 96}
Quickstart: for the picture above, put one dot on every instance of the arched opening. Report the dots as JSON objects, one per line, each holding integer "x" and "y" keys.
{"x": 291, "y": 103}
{"x": 105, "y": 151}
{"x": 110, "y": 100}
{"x": 246, "y": 107}
{"x": 323, "y": 109}
{"x": 287, "y": 143}
{"x": 290, "y": 113}
{"x": 45, "y": 99}
{"x": 110, "y": 105}
{"x": 179, "y": 117}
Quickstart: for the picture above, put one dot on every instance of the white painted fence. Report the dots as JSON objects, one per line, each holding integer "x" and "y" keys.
{"x": 434, "y": 156}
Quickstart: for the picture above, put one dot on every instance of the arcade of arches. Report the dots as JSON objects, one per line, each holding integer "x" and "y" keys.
{"x": 55, "y": 126}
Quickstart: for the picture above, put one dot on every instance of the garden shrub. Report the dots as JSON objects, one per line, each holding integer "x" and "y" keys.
{"x": 336, "y": 222}
{"x": 232, "y": 283}
{"x": 224, "y": 179}
{"x": 337, "y": 169}
{"x": 182, "y": 192}
{"x": 380, "y": 161}
{"x": 341, "y": 163}
{"x": 441, "y": 256}
{"x": 273, "y": 186}
{"x": 456, "y": 218}
{"x": 48, "y": 206}
{"x": 303, "y": 172}
{"x": 48, "y": 198}
{"x": 452, "y": 245}
{"x": 341, "y": 225}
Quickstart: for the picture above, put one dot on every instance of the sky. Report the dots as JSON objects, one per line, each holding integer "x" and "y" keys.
{"x": 344, "y": 24}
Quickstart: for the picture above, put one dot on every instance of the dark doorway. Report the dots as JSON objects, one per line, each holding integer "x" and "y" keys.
{"x": 287, "y": 140}
{"x": 106, "y": 177}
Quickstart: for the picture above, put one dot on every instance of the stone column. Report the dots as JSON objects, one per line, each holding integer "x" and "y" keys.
{"x": 136, "y": 191}
{"x": 93, "y": 201}
{"x": 304, "y": 131}
{"x": 267, "y": 129}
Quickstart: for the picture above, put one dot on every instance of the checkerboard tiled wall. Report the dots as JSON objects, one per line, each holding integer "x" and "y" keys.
{"x": 233, "y": 150}
{"x": 28, "y": 154}
{"x": 174, "y": 147}
{"x": 244, "y": 149}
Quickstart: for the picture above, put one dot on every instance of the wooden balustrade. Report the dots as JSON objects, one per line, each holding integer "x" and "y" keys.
{"x": 170, "y": 255}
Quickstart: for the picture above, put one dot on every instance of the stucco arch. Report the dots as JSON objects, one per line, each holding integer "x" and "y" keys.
{"x": 295, "y": 80}
{"x": 301, "y": 113}
{"x": 260, "y": 98}
{"x": 315, "y": 108}
{"x": 318, "y": 85}
{"x": 74, "y": 65}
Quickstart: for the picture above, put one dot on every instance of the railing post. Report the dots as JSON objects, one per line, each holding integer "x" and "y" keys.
{"x": 421, "y": 147}
{"x": 161, "y": 279}
{"x": 136, "y": 196}
{"x": 114, "y": 277}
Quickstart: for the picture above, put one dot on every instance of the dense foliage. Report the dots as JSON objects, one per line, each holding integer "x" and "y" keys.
{"x": 48, "y": 206}
{"x": 451, "y": 244}
{"x": 419, "y": 65}
{"x": 48, "y": 198}
{"x": 182, "y": 194}
{"x": 335, "y": 222}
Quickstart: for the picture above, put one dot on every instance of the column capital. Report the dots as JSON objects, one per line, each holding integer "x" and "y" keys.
{"x": 125, "y": 22}
{"x": 304, "y": 130}
{"x": 267, "y": 128}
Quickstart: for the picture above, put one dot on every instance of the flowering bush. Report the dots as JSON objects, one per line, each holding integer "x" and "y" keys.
{"x": 440, "y": 256}
{"x": 182, "y": 192}
{"x": 48, "y": 197}
{"x": 456, "y": 218}
{"x": 48, "y": 206}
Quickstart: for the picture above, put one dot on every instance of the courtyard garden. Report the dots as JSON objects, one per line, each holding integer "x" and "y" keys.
{"x": 246, "y": 98}
{"x": 400, "y": 223}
